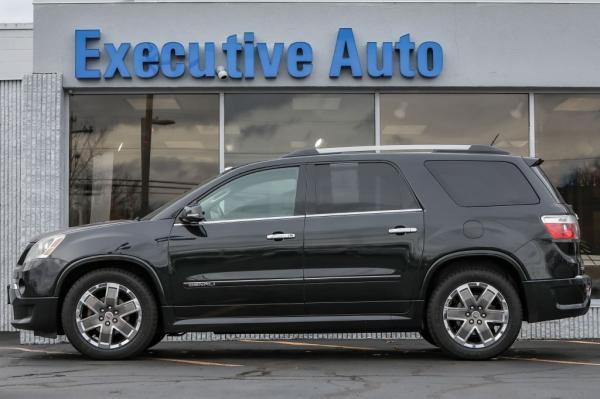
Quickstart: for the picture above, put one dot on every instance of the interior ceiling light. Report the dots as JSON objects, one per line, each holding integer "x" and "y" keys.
{"x": 585, "y": 104}
{"x": 165, "y": 103}
{"x": 400, "y": 112}
{"x": 517, "y": 113}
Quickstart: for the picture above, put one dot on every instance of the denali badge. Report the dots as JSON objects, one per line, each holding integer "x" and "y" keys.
{"x": 199, "y": 283}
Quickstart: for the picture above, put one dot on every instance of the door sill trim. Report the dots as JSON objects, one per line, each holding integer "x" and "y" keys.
{"x": 224, "y": 321}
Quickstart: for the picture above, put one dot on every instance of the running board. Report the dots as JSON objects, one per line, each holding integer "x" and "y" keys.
{"x": 275, "y": 324}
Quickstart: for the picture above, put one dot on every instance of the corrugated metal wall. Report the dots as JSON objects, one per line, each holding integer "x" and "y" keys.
{"x": 10, "y": 176}
{"x": 43, "y": 190}
{"x": 32, "y": 187}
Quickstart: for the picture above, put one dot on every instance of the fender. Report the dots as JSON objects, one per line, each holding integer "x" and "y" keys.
{"x": 471, "y": 253}
{"x": 84, "y": 261}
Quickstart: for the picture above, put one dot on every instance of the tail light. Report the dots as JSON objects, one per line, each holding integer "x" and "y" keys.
{"x": 562, "y": 227}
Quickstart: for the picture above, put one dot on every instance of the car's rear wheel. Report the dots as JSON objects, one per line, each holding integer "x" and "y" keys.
{"x": 110, "y": 314}
{"x": 474, "y": 313}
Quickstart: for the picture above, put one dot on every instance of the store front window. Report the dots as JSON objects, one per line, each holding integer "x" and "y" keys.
{"x": 263, "y": 126}
{"x": 129, "y": 154}
{"x": 498, "y": 119}
{"x": 568, "y": 139}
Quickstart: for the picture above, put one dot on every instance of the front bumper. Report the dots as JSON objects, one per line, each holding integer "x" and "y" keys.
{"x": 557, "y": 298}
{"x": 38, "y": 314}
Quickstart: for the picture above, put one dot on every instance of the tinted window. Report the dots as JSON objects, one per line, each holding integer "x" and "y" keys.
{"x": 477, "y": 183}
{"x": 360, "y": 187}
{"x": 269, "y": 193}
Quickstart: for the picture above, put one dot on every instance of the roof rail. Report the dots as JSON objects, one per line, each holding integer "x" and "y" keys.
{"x": 412, "y": 147}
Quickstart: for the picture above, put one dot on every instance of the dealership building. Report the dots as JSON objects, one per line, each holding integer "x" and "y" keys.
{"x": 109, "y": 109}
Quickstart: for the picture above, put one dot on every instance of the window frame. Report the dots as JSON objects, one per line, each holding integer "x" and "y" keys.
{"x": 311, "y": 198}
{"x": 299, "y": 205}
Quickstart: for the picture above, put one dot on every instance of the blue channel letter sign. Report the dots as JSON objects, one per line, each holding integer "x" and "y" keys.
{"x": 146, "y": 60}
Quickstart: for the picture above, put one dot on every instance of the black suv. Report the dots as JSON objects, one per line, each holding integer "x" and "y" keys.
{"x": 460, "y": 243}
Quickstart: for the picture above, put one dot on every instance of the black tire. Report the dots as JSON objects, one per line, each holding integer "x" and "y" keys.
{"x": 427, "y": 336}
{"x": 158, "y": 336}
{"x": 147, "y": 309}
{"x": 447, "y": 285}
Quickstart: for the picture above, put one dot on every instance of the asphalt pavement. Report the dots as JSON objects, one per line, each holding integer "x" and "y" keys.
{"x": 302, "y": 369}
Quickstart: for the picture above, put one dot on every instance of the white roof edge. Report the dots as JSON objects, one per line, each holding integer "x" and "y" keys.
{"x": 316, "y": 1}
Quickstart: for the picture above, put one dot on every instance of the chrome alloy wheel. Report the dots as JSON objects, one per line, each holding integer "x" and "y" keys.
{"x": 476, "y": 315}
{"x": 108, "y": 315}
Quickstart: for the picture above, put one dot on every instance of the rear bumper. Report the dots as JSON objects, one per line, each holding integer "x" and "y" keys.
{"x": 37, "y": 314}
{"x": 557, "y": 298}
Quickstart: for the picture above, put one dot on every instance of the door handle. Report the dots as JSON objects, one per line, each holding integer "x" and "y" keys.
{"x": 402, "y": 230}
{"x": 280, "y": 236}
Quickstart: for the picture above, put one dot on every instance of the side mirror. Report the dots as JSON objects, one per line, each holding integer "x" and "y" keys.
{"x": 192, "y": 214}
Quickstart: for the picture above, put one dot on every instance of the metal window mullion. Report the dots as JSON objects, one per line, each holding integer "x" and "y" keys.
{"x": 531, "y": 125}
{"x": 377, "y": 120}
{"x": 221, "y": 132}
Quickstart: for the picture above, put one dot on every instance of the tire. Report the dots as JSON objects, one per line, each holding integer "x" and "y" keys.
{"x": 489, "y": 323}
{"x": 158, "y": 336}
{"x": 427, "y": 336}
{"x": 110, "y": 314}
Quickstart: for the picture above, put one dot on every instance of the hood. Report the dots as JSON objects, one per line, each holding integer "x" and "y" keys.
{"x": 85, "y": 227}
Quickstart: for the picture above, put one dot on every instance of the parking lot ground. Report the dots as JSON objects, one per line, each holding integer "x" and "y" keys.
{"x": 302, "y": 369}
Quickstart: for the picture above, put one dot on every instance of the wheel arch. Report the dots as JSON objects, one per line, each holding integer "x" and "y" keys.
{"x": 498, "y": 260}
{"x": 131, "y": 264}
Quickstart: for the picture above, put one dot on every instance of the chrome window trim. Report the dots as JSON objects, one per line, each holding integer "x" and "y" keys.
{"x": 301, "y": 216}
{"x": 238, "y": 220}
{"x": 410, "y": 210}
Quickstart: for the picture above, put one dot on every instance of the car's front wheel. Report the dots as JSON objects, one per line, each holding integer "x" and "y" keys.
{"x": 474, "y": 312}
{"x": 110, "y": 314}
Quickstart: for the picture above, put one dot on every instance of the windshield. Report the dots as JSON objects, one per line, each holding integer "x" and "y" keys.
{"x": 165, "y": 206}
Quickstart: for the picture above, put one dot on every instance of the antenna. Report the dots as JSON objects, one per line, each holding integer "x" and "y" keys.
{"x": 495, "y": 138}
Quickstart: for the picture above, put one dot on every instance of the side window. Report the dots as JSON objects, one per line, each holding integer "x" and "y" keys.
{"x": 360, "y": 187}
{"x": 481, "y": 183}
{"x": 268, "y": 193}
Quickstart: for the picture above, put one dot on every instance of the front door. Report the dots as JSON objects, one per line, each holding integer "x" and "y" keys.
{"x": 245, "y": 259}
{"x": 363, "y": 239}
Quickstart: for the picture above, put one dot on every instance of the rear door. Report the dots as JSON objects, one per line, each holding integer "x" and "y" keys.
{"x": 363, "y": 239}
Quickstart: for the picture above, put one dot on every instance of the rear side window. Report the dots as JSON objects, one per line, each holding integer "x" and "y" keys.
{"x": 478, "y": 183}
{"x": 360, "y": 187}
{"x": 544, "y": 178}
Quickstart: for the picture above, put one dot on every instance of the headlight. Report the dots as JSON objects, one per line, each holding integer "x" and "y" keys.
{"x": 44, "y": 247}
